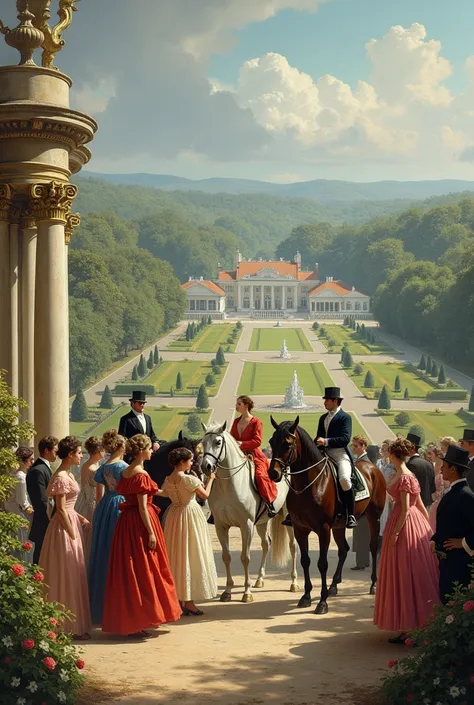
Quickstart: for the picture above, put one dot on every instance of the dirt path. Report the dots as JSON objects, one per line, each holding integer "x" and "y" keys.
{"x": 251, "y": 654}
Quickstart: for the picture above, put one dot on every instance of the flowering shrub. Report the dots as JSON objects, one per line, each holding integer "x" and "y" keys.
{"x": 441, "y": 670}
{"x": 38, "y": 664}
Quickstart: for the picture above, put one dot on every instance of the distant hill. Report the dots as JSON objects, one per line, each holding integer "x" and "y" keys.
{"x": 321, "y": 190}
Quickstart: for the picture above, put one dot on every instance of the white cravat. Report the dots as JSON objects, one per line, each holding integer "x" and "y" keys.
{"x": 328, "y": 419}
{"x": 142, "y": 420}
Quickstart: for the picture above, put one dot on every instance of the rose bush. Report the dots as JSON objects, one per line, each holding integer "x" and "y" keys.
{"x": 38, "y": 664}
{"x": 440, "y": 671}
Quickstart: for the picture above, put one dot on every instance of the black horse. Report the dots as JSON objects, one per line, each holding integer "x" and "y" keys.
{"x": 159, "y": 468}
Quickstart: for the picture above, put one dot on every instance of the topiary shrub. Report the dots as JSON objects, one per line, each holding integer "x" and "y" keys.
{"x": 369, "y": 382}
{"x": 348, "y": 361}
{"x": 107, "y": 400}
{"x": 179, "y": 381}
{"x": 202, "y": 401}
{"x": 135, "y": 376}
{"x": 193, "y": 423}
{"x": 397, "y": 387}
{"x": 210, "y": 380}
{"x": 358, "y": 369}
{"x": 79, "y": 410}
{"x": 402, "y": 419}
{"x": 384, "y": 399}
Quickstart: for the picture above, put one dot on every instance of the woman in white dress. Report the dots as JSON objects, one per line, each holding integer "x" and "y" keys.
{"x": 186, "y": 534}
{"x": 86, "y": 501}
{"x": 20, "y": 502}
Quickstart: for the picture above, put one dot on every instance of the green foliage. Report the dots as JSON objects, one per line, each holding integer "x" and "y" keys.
{"x": 406, "y": 394}
{"x": 202, "y": 401}
{"x": 397, "y": 387}
{"x": 447, "y": 395}
{"x": 123, "y": 390}
{"x": 179, "y": 381}
{"x": 171, "y": 392}
{"x": 434, "y": 369}
{"x": 216, "y": 370}
{"x": 402, "y": 419}
{"x": 358, "y": 369}
{"x": 369, "y": 382}
{"x": 238, "y": 325}
{"x": 442, "y": 375}
{"x": 210, "y": 380}
{"x": 135, "y": 375}
{"x": 471, "y": 400}
{"x": 150, "y": 363}
{"x": 142, "y": 367}
{"x": 156, "y": 356}
{"x": 422, "y": 365}
{"x": 428, "y": 366}
{"x": 107, "y": 400}
{"x": 220, "y": 359}
{"x": 384, "y": 399}
{"x": 315, "y": 325}
{"x": 347, "y": 361}
{"x": 440, "y": 670}
{"x": 418, "y": 431}
{"x": 79, "y": 410}
{"x": 193, "y": 423}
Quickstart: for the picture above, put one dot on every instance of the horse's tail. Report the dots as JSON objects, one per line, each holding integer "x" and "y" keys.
{"x": 280, "y": 546}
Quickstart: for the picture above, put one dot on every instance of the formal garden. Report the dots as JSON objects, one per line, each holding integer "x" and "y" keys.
{"x": 361, "y": 340}
{"x": 434, "y": 424}
{"x": 206, "y": 337}
{"x": 177, "y": 378}
{"x": 269, "y": 339}
{"x": 274, "y": 378}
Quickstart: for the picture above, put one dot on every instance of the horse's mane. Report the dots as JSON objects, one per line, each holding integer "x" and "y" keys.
{"x": 307, "y": 444}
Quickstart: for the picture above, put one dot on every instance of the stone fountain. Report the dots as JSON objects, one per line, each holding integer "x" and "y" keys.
{"x": 284, "y": 354}
{"x": 294, "y": 397}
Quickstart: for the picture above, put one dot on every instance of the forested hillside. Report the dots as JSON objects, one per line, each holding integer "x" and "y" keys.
{"x": 120, "y": 296}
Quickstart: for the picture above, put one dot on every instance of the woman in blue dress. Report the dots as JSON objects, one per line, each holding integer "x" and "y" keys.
{"x": 106, "y": 514}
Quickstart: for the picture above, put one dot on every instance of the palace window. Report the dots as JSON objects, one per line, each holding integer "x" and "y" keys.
{"x": 348, "y": 306}
{"x": 289, "y": 302}
{"x": 342, "y": 305}
{"x": 304, "y": 302}
{"x": 357, "y": 305}
{"x": 211, "y": 305}
{"x": 246, "y": 302}
{"x": 230, "y": 301}
{"x": 192, "y": 305}
{"x": 365, "y": 306}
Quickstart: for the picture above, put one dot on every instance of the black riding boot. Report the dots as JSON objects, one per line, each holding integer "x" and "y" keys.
{"x": 287, "y": 521}
{"x": 271, "y": 511}
{"x": 348, "y": 499}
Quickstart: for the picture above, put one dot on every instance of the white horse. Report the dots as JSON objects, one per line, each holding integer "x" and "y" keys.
{"x": 235, "y": 502}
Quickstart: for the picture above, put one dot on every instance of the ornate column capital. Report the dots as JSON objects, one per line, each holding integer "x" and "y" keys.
{"x": 6, "y": 196}
{"x": 52, "y": 201}
{"x": 73, "y": 221}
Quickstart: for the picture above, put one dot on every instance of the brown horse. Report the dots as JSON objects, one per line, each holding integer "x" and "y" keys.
{"x": 312, "y": 504}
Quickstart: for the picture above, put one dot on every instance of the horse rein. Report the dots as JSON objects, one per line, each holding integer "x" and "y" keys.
{"x": 286, "y": 468}
{"x": 217, "y": 458}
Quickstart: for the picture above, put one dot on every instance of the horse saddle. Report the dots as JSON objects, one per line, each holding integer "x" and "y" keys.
{"x": 359, "y": 485}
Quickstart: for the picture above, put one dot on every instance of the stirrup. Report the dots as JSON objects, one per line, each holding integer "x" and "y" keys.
{"x": 271, "y": 510}
{"x": 351, "y": 522}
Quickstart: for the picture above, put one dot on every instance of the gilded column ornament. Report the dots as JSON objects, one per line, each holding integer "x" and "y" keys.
{"x": 53, "y": 41}
{"x": 6, "y": 195}
{"x": 52, "y": 201}
{"x": 73, "y": 221}
{"x": 25, "y": 38}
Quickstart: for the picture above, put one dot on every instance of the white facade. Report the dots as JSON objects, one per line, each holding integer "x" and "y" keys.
{"x": 204, "y": 297}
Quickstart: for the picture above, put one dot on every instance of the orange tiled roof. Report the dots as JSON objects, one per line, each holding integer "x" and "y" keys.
{"x": 251, "y": 268}
{"x": 308, "y": 275}
{"x": 334, "y": 286}
{"x": 226, "y": 276}
{"x": 210, "y": 285}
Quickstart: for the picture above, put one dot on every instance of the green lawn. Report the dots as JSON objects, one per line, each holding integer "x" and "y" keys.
{"x": 357, "y": 346}
{"x": 274, "y": 378}
{"x": 193, "y": 374}
{"x": 385, "y": 373}
{"x": 309, "y": 421}
{"x": 272, "y": 339}
{"x": 207, "y": 340}
{"x": 446, "y": 423}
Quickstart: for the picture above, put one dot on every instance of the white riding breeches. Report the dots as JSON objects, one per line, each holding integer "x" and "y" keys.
{"x": 344, "y": 466}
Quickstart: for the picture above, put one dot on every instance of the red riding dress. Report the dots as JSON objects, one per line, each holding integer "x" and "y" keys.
{"x": 251, "y": 440}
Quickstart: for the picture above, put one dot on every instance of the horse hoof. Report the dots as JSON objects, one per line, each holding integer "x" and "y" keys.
{"x": 259, "y": 583}
{"x": 332, "y": 592}
{"x": 226, "y": 597}
{"x": 372, "y": 590}
{"x": 247, "y": 598}
{"x": 304, "y": 602}
{"x": 294, "y": 587}
{"x": 322, "y": 608}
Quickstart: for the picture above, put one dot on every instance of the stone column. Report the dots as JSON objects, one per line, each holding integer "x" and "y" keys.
{"x": 51, "y": 205}
{"x": 5, "y": 282}
{"x": 273, "y": 298}
{"x": 295, "y": 299}
{"x": 27, "y": 309}
{"x": 15, "y": 300}
{"x": 251, "y": 297}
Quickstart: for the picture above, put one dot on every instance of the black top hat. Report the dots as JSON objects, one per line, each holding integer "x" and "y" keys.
{"x": 415, "y": 439}
{"x": 138, "y": 396}
{"x": 468, "y": 435}
{"x": 332, "y": 393}
{"x": 457, "y": 456}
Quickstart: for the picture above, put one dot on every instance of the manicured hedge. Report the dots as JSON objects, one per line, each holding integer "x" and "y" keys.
{"x": 122, "y": 390}
{"x": 447, "y": 395}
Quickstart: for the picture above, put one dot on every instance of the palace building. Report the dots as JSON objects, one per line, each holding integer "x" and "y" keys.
{"x": 280, "y": 289}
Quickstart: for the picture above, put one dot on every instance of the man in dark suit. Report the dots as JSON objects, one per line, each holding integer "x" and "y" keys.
{"x": 422, "y": 469}
{"x": 334, "y": 433}
{"x": 467, "y": 442}
{"x": 37, "y": 479}
{"x": 136, "y": 421}
{"x": 453, "y": 540}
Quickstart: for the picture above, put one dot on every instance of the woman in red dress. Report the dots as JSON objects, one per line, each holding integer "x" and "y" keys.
{"x": 247, "y": 431}
{"x": 140, "y": 590}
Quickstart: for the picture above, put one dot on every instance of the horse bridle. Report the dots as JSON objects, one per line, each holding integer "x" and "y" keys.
{"x": 217, "y": 458}
{"x": 285, "y": 466}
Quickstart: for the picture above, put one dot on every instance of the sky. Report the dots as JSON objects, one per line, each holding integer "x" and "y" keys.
{"x": 277, "y": 90}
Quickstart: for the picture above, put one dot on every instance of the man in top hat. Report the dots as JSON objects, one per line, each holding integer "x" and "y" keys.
{"x": 453, "y": 540}
{"x": 467, "y": 442}
{"x": 136, "y": 421}
{"x": 334, "y": 432}
{"x": 422, "y": 469}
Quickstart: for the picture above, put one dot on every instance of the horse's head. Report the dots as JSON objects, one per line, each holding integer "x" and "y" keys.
{"x": 284, "y": 447}
{"x": 195, "y": 446}
{"x": 213, "y": 446}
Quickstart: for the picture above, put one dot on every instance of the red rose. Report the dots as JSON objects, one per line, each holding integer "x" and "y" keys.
{"x": 392, "y": 663}
{"x": 471, "y": 679}
{"x": 18, "y": 569}
{"x": 7, "y": 659}
{"x": 426, "y": 642}
{"x": 50, "y": 663}
{"x": 27, "y": 546}
{"x": 38, "y": 577}
{"x": 28, "y": 644}
{"x": 52, "y": 635}
{"x": 80, "y": 664}
{"x": 410, "y": 697}
{"x": 409, "y": 643}
{"x": 450, "y": 674}
{"x": 53, "y": 621}
{"x": 451, "y": 603}
{"x": 468, "y": 606}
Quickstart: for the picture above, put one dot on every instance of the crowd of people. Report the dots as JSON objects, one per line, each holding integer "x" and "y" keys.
{"x": 112, "y": 561}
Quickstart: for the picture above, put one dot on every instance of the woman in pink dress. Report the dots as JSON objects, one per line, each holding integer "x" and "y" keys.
{"x": 408, "y": 579}
{"x": 62, "y": 554}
